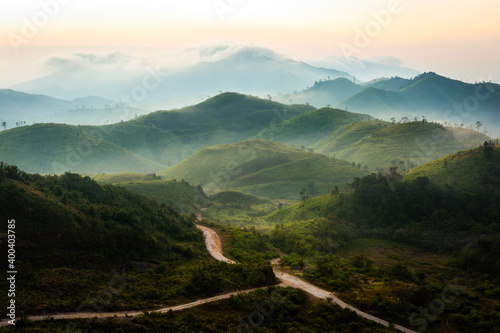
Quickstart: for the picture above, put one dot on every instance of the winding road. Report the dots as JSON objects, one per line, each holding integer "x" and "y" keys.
{"x": 214, "y": 246}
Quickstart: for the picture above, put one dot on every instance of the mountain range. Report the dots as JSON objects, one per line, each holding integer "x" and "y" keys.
{"x": 18, "y": 108}
{"x": 159, "y": 84}
{"x": 429, "y": 94}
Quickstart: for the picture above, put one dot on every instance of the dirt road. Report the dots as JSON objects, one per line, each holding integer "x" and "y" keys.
{"x": 214, "y": 246}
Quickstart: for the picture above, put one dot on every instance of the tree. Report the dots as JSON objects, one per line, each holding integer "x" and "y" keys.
{"x": 393, "y": 120}
{"x": 303, "y": 194}
{"x": 335, "y": 190}
{"x": 4, "y": 125}
{"x": 478, "y": 125}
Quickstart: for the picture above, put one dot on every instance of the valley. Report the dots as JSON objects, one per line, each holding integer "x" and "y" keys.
{"x": 327, "y": 219}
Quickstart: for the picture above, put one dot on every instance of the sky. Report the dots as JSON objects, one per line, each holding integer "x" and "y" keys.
{"x": 458, "y": 39}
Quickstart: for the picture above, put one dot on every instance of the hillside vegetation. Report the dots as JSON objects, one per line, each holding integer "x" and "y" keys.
{"x": 145, "y": 144}
{"x": 179, "y": 195}
{"x": 74, "y": 236}
{"x": 468, "y": 170}
{"x": 153, "y": 142}
{"x": 377, "y": 144}
{"x": 389, "y": 243}
{"x": 263, "y": 168}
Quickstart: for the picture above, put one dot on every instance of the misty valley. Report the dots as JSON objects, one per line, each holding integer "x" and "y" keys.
{"x": 249, "y": 193}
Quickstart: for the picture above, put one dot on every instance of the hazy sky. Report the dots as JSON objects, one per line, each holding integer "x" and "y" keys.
{"x": 456, "y": 38}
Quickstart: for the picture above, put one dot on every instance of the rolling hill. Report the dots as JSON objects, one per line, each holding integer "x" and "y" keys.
{"x": 56, "y": 148}
{"x": 145, "y": 144}
{"x": 324, "y": 93}
{"x": 377, "y": 143}
{"x": 464, "y": 171}
{"x": 311, "y": 127}
{"x": 263, "y": 168}
{"x": 436, "y": 97}
{"x": 77, "y": 240}
{"x": 153, "y": 142}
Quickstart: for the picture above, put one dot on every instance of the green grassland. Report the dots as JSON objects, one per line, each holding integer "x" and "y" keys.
{"x": 464, "y": 171}
{"x": 310, "y": 127}
{"x": 377, "y": 144}
{"x": 263, "y": 168}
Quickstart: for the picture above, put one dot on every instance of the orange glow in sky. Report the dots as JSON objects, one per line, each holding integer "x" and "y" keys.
{"x": 459, "y": 38}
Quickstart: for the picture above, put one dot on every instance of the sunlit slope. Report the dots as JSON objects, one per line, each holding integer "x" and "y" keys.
{"x": 377, "y": 143}
{"x": 263, "y": 168}
{"x": 310, "y": 127}
{"x": 465, "y": 170}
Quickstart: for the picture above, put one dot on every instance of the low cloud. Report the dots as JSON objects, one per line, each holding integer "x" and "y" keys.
{"x": 388, "y": 61}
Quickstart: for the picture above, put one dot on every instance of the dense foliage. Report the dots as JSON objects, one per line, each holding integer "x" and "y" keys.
{"x": 462, "y": 224}
{"x": 180, "y": 195}
{"x": 75, "y": 238}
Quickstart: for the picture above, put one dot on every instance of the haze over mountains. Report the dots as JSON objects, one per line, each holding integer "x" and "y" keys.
{"x": 177, "y": 80}
{"x": 122, "y": 86}
{"x": 412, "y": 120}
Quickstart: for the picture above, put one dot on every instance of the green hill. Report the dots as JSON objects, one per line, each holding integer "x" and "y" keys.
{"x": 447, "y": 203}
{"x": 179, "y": 195}
{"x": 308, "y": 128}
{"x": 324, "y": 93}
{"x": 263, "y": 168}
{"x": 71, "y": 233}
{"x": 467, "y": 170}
{"x": 377, "y": 143}
{"x": 395, "y": 83}
{"x": 437, "y": 222}
{"x": 168, "y": 137}
{"x": 146, "y": 144}
{"x": 56, "y": 148}
{"x": 162, "y": 139}
{"x": 77, "y": 240}
{"x": 237, "y": 198}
